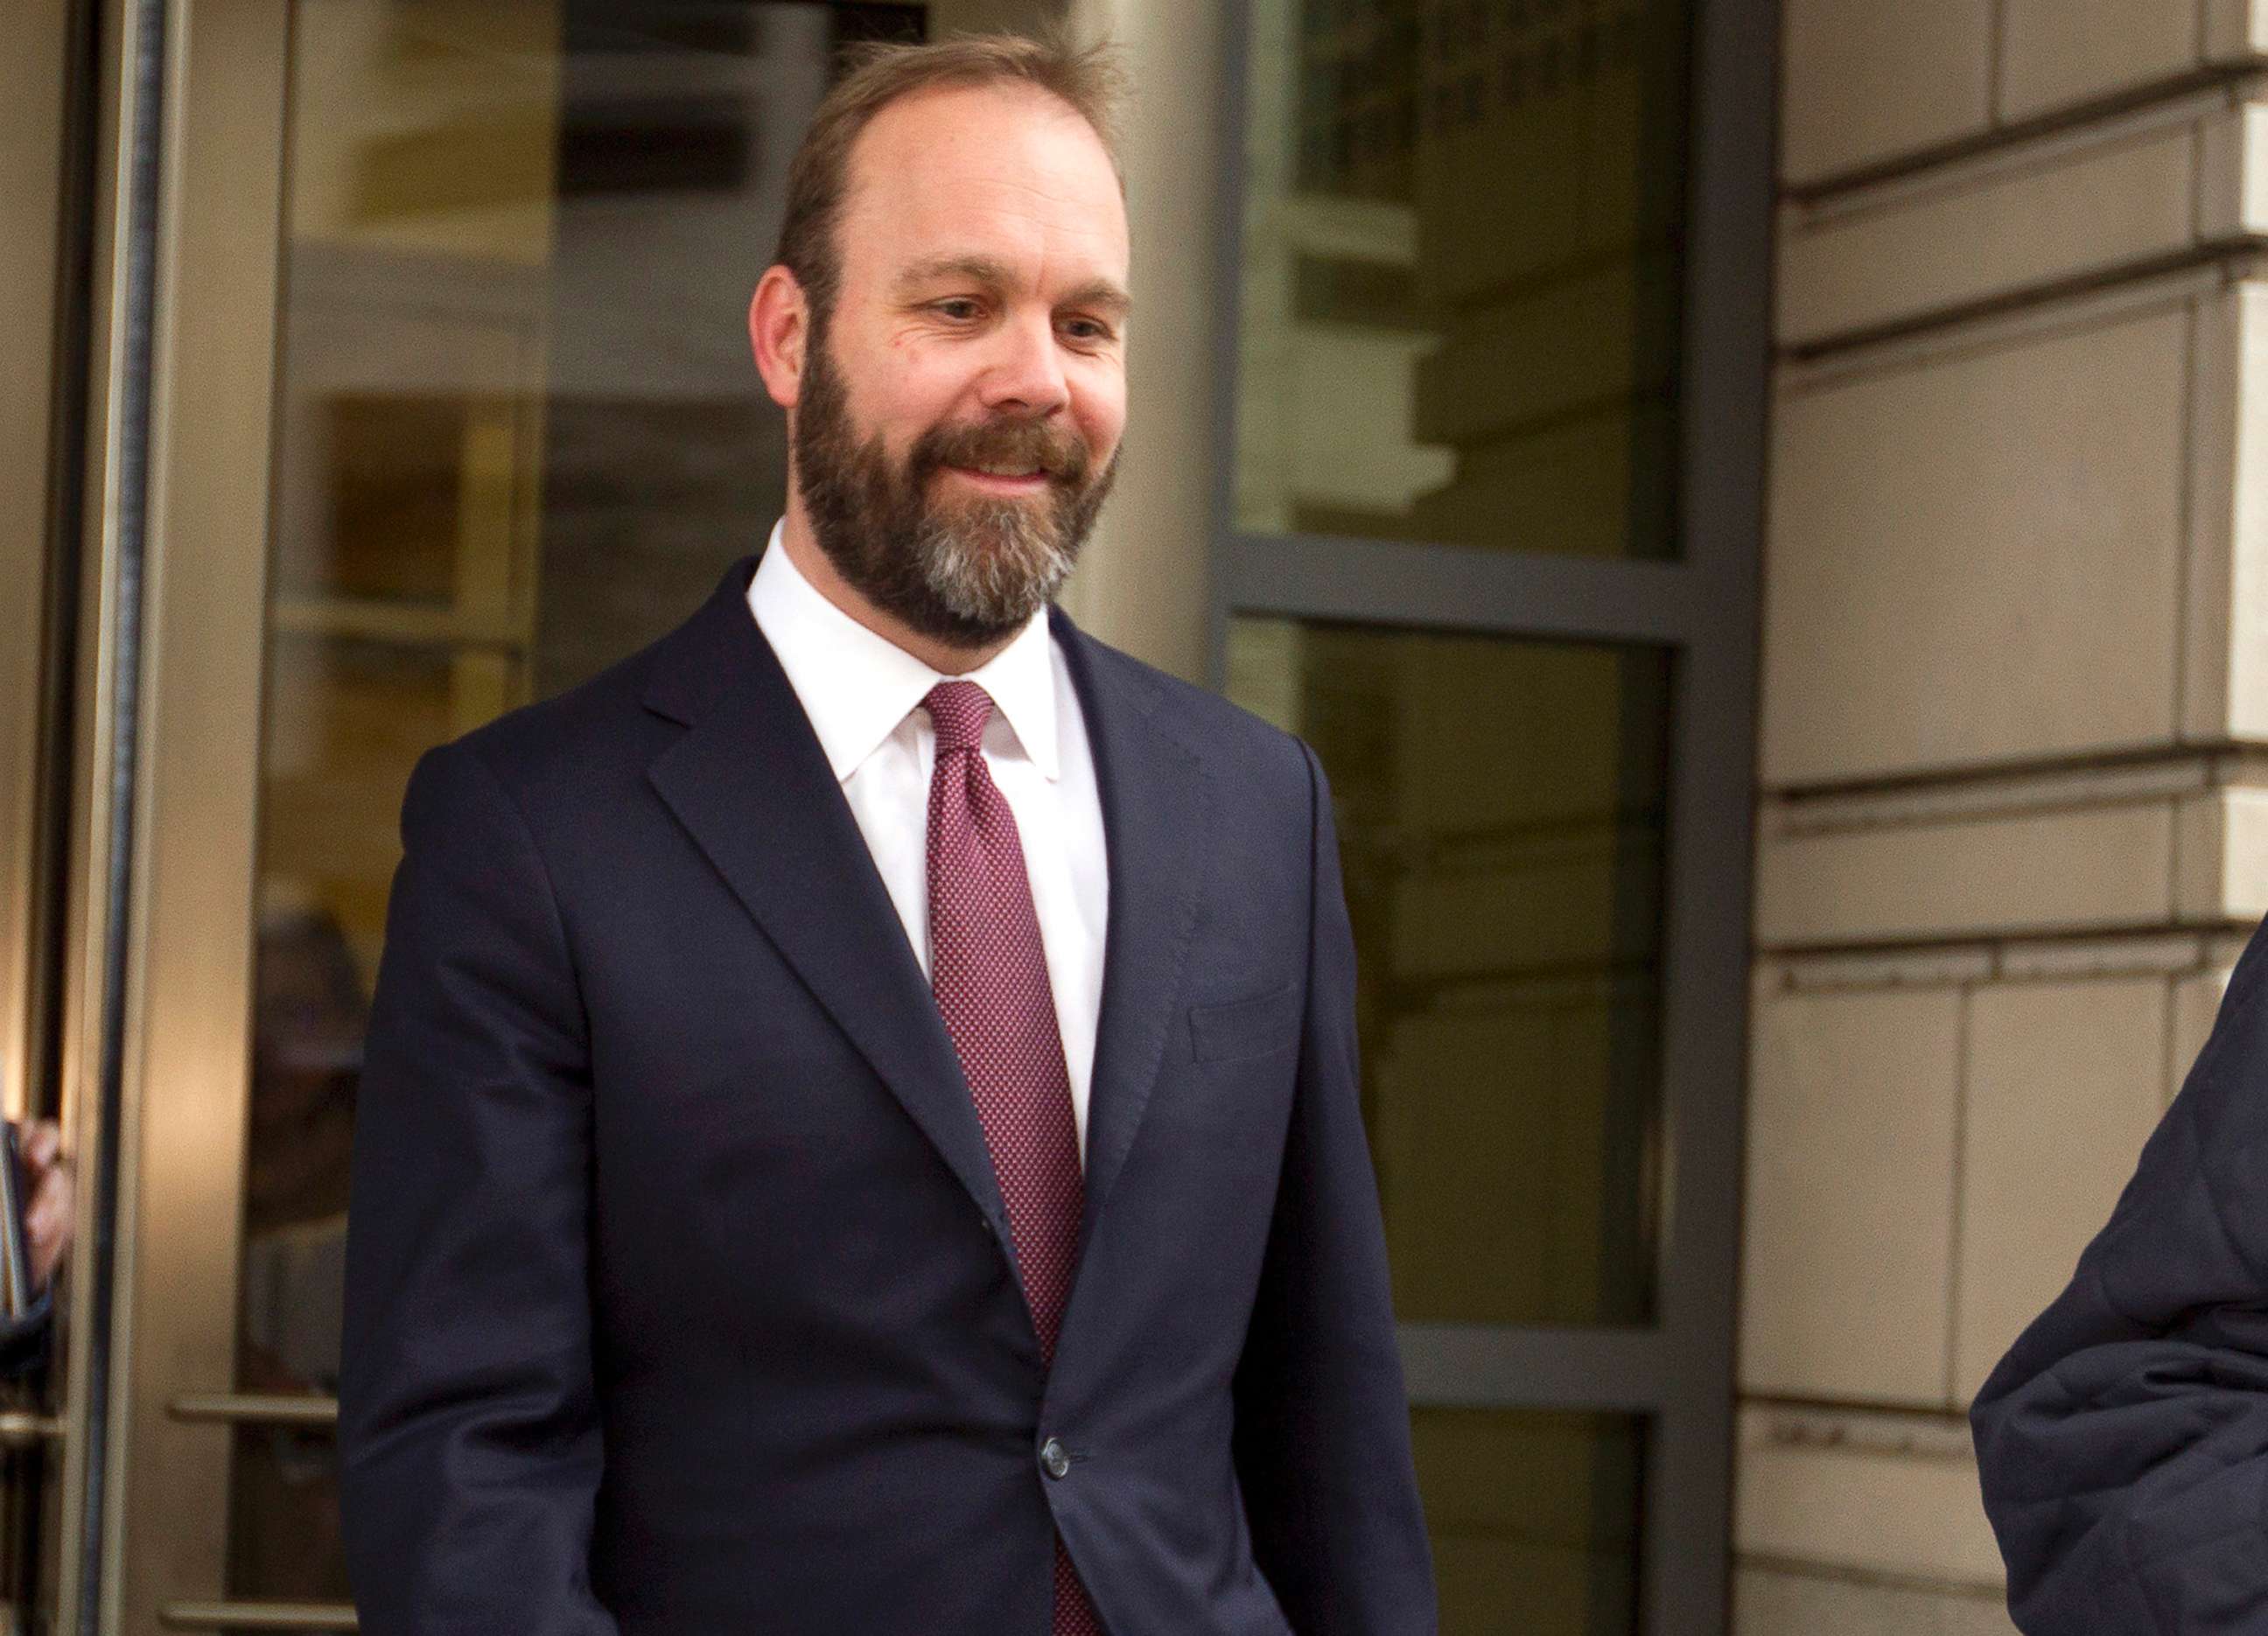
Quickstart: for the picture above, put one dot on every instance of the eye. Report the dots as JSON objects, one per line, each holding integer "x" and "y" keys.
{"x": 1087, "y": 329}
{"x": 959, "y": 308}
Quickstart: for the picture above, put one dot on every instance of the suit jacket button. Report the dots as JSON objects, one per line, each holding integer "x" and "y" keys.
{"x": 1052, "y": 1457}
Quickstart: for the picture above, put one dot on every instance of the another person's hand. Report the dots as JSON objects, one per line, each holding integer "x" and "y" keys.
{"x": 50, "y": 1208}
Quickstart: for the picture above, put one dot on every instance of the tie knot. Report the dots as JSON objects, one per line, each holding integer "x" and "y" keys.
{"x": 959, "y": 711}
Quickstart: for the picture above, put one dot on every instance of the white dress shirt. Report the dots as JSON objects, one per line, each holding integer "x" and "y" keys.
{"x": 862, "y": 693}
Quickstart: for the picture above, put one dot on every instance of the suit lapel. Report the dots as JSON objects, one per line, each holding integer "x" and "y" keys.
{"x": 1156, "y": 809}
{"x": 751, "y": 785}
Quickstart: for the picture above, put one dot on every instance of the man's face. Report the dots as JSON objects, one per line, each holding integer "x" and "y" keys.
{"x": 961, "y": 409}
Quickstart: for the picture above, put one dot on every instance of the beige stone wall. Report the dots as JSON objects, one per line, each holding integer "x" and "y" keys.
{"x": 2011, "y": 832}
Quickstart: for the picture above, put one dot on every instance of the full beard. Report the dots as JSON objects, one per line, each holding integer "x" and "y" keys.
{"x": 963, "y": 571}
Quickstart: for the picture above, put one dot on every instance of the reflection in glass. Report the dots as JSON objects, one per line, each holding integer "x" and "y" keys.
{"x": 1534, "y": 1517}
{"x": 1502, "y": 809}
{"x": 1459, "y": 313}
{"x": 283, "y": 1517}
{"x": 518, "y": 435}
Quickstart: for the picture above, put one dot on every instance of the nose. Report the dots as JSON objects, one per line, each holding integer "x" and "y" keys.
{"x": 1024, "y": 376}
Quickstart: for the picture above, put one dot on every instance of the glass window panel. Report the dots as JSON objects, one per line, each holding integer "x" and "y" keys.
{"x": 1535, "y": 1519}
{"x": 518, "y": 435}
{"x": 1502, "y": 810}
{"x": 1462, "y": 272}
{"x": 347, "y": 718}
{"x": 283, "y": 1517}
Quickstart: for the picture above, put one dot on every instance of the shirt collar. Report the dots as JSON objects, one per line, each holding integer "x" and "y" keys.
{"x": 856, "y": 685}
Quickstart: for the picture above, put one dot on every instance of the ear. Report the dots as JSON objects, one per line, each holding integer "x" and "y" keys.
{"x": 779, "y": 328}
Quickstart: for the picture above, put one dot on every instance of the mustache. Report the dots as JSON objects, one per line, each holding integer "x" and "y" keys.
{"x": 1047, "y": 445}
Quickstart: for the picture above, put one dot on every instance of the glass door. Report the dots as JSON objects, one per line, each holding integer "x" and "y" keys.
{"x": 1495, "y": 280}
{"x": 452, "y": 409}
{"x": 44, "y": 183}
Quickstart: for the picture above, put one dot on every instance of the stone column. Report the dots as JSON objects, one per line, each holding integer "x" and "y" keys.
{"x": 1143, "y": 584}
{"x": 2014, "y": 813}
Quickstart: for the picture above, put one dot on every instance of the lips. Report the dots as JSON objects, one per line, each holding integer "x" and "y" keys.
{"x": 1028, "y": 484}
{"x": 1048, "y": 455}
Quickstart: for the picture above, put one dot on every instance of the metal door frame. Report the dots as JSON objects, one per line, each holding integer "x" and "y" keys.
{"x": 47, "y": 188}
{"x": 164, "y": 788}
{"x": 1704, "y": 607}
{"x": 36, "y": 131}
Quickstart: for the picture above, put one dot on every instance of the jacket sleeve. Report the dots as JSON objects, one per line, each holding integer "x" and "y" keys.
{"x": 469, "y": 1441}
{"x": 1322, "y": 1421}
{"x": 2123, "y": 1440}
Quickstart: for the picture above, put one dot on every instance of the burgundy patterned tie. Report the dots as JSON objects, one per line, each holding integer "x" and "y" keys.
{"x": 989, "y": 972}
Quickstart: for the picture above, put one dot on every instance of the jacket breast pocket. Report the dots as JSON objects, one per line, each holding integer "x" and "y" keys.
{"x": 1246, "y": 1028}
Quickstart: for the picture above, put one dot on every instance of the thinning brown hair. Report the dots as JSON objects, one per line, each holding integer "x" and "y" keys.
{"x": 1091, "y": 78}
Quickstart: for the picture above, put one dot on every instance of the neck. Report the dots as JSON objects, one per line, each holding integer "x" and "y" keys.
{"x": 946, "y": 658}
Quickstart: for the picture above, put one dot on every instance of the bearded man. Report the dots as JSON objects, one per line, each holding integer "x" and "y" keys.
{"x": 859, "y": 1132}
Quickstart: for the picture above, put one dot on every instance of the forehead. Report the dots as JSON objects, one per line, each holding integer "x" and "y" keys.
{"x": 1010, "y": 172}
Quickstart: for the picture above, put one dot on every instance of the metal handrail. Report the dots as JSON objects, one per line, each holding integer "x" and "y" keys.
{"x": 255, "y": 1409}
{"x": 26, "y": 1428}
{"x": 257, "y": 1616}
{"x": 252, "y": 1409}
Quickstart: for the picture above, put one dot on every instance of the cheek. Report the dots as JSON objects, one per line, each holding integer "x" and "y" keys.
{"x": 1100, "y": 408}
{"x": 902, "y": 397}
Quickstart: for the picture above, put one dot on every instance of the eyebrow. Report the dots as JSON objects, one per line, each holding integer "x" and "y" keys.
{"x": 1099, "y": 292}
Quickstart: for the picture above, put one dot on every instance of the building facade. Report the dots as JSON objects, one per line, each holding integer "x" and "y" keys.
{"x": 1758, "y": 504}
{"x": 2011, "y": 684}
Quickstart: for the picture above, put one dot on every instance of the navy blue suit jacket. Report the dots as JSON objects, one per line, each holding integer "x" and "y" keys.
{"x": 679, "y": 1292}
{"x": 2123, "y": 1440}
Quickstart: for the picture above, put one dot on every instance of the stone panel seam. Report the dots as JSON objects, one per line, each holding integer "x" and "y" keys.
{"x": 2216, "y": 479}
{"x": 2177, "y": 820}
{"x": 2081, "y": 956}
{"x": 2175, "y": 1068}
{"x": 2111, "y": 960}
{"x": 2231, "y": 79}
{"x": 1791, "y": 1568}
{"x": 1803, "y": 822}
{"x": 2044, "y": 783}
{"x": 1935, "y": 1435}
{"x": 1956, "y": 1214}
{"x": 2009, "y": 937}
{"x": 2016, "y": 160}
{"x": 1977, "y": 333}
{"x": 1996, "y": 58}
{"x": 2238, "y": 257}
{"x": 2186, "y": 503}
{"x": 1828, "y": 974}
{"x": 1879, "y": 1408}
{"x": 1900, "y": 1410}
